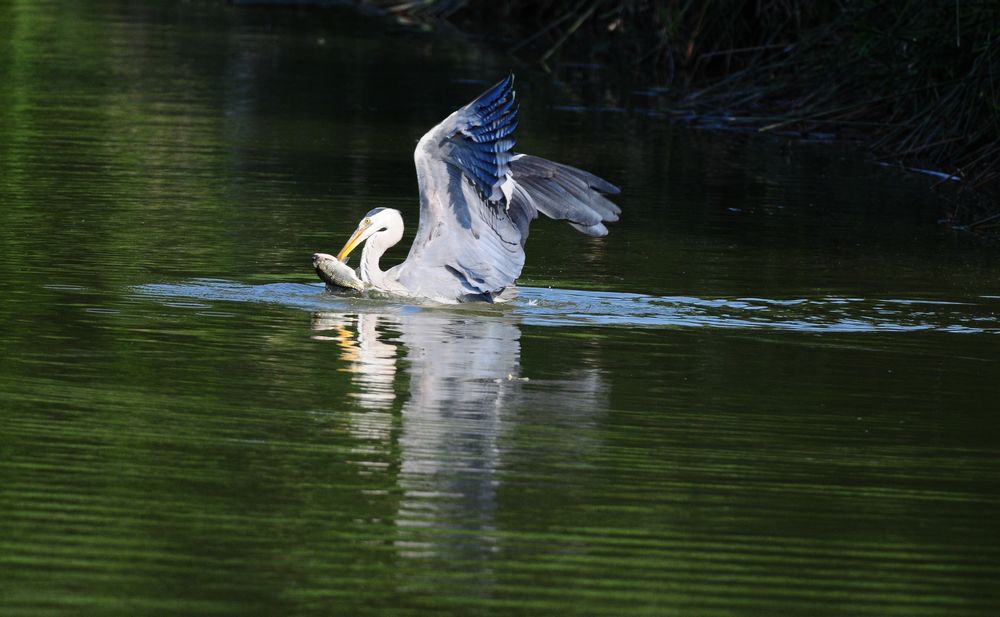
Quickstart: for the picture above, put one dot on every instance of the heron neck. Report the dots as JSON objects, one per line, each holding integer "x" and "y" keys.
{"x": 372, "y": 252}
{"x": 371, "y": 273}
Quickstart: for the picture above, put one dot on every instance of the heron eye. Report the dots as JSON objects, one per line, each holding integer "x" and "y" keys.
{"x": 368, "y": 221}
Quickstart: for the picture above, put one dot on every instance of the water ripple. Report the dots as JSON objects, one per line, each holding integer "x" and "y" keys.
{"x": 566, "y": 307}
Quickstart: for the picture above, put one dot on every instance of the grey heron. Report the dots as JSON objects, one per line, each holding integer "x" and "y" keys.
{"x": 477, "y": 198}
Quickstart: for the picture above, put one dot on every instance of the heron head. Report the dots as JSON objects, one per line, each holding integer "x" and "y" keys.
{"x": 377, "y": 220}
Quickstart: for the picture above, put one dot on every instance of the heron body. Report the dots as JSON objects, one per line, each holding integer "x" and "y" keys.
{"x": 477, "y": 199}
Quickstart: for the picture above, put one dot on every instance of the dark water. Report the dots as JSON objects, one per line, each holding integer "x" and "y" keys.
{"x": 772, "y": 390}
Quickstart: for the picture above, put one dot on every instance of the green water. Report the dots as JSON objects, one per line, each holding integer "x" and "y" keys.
{"x": 772, "y": 390}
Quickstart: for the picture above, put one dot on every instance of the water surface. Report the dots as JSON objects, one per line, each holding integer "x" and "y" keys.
{"x": 770, "y": 391}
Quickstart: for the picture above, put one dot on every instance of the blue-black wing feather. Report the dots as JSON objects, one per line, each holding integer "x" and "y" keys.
{"x": 484, "y": 139}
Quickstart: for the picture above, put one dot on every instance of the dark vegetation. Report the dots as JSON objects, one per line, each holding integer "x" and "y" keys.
{"x": 915, "y": 81}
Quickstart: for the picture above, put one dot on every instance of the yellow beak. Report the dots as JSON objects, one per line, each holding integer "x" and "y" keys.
{"x": 356, "y": 238}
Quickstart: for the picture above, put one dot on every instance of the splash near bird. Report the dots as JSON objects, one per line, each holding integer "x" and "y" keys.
{"x": 477, "y": 199}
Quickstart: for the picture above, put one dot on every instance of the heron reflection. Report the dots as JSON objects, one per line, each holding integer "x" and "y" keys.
{"x": 456, "y": 382}
{"x": 371, "y": 362}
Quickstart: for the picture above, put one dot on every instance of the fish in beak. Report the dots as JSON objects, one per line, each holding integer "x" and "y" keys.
{"x": 336, "y": 273}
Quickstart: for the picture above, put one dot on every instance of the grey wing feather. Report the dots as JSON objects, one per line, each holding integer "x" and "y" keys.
{"x": 468, "y": 242}
{"x": 565, "y": 193}
{"x": 477, "y": 199}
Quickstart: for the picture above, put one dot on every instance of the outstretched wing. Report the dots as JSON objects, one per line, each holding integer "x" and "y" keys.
{"x": 562, "y": 192}
{"x": 477, "y": 199}
{"x": 468, "y": 242}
